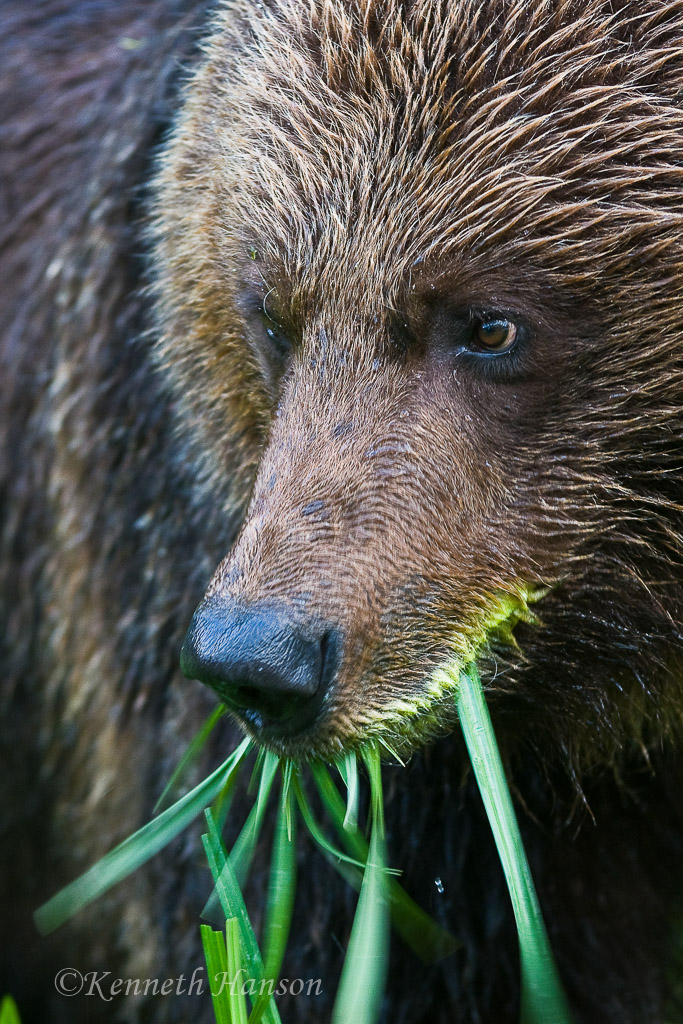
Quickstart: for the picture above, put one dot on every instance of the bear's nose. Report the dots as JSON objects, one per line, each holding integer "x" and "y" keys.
{"x": 274, "y": 672}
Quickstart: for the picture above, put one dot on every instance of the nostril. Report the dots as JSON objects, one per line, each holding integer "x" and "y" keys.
{"x": 329, "y": 657}
{"x": 247, "y": 696}
{"x": 271, "y": 670}
{"x": 249, "y": 699}
{"x": 324, "y": 650}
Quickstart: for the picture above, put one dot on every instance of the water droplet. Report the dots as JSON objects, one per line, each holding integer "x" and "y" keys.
{"x": 439, "y": 885}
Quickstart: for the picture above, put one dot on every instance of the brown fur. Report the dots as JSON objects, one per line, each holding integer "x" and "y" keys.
{"x": 368, "y": 175}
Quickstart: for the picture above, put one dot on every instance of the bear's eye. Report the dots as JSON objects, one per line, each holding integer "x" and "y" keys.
{"x": 494, "y": 336}
{"x": 279, "y": 341}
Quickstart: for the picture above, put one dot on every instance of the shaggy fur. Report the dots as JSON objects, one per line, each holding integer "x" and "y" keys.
{"x": 371, "y": 175}
{"x": 345, "y": 187}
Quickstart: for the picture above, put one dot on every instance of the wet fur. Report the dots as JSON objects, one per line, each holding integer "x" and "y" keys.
{"x": 330, "y": 163}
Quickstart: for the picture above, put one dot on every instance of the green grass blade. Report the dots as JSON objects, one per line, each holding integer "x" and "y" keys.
{"x": 374, "y": 766}
{"x": 361, "y": 986}
{"x": 280, "y": 903}
{"x": 428, "y": 940}
{"x": 242, "y": 853}
{"x": 230, "y": 896}
{"x": 9, "y": 1014}
{"x": 281, "y": 889}
{"x": 543, "y": 1000}
{"x": 238, "y": 1004}
{"x": 288, "y": 803}
{"x": 220, "y": 807}
{"x": 355, "y": 841}
{"x": 193, "y": 751}
{"x": 316, "y": 832}
{"x": 217, "y": 968}
{"x": 137, "y": 849}
{"x": 348, "y": 769}
{"x": 233, "y": 905}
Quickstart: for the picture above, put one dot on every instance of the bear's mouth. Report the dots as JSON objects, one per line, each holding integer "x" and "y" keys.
{"x": 285, "y": 683}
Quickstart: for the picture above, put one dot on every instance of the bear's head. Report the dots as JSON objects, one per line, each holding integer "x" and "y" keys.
{"x": 417, "y": 269}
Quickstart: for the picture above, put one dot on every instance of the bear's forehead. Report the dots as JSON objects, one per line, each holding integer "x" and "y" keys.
{"x": 373, "y": 135}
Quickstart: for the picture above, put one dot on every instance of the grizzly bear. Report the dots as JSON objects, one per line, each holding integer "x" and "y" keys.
{"x": 345, "y": 323}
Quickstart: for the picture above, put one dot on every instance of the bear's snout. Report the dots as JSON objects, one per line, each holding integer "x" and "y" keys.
{"x": 270, "y": 669}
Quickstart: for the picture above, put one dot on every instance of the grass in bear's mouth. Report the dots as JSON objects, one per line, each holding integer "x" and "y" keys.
{"x": 235, "y": 953}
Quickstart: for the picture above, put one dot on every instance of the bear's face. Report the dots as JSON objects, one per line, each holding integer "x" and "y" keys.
{"x": 415, "y": 293}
